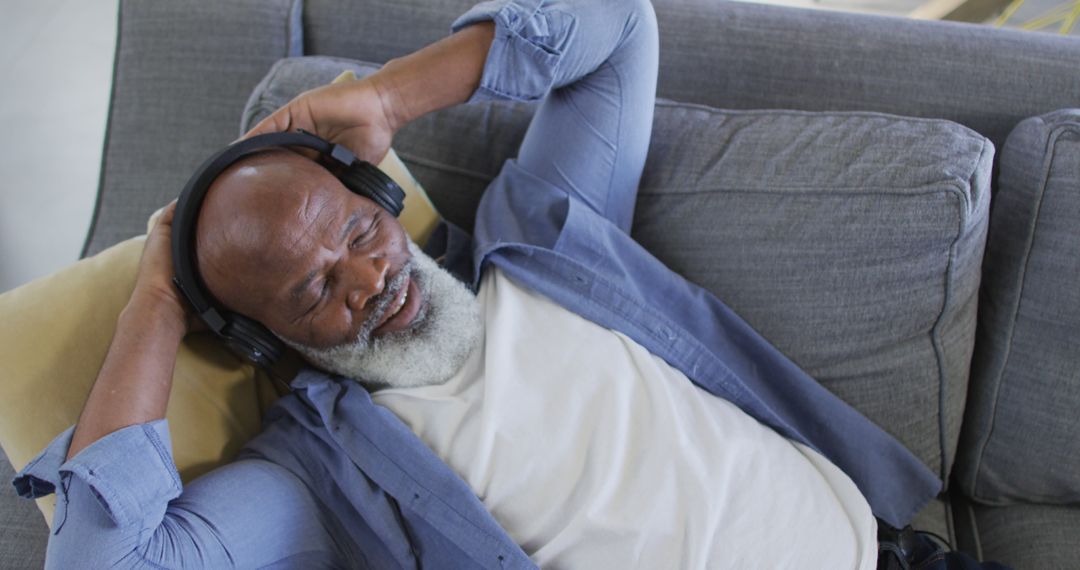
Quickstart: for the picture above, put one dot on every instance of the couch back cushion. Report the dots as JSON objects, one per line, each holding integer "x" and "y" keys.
{"x": 182, "y": 73}
{"x": 741, "y": 55}
{"x": 852, "y": 241}
{"x": 1021, "y": 435}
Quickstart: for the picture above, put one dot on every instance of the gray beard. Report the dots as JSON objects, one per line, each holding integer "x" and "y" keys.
{"x": 429, "y": 352}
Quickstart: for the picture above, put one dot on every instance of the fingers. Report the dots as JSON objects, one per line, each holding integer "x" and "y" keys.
{"x": 277, "y": 122}
{"x": 159, "y": 215}
{"x": 351, "y": 114}
{"x": 168, "y": 213}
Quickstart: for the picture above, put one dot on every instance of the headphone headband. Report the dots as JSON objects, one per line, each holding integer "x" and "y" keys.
{"x": 249, "y": 337}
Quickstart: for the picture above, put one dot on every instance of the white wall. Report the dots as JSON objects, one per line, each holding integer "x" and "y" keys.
{"x": 56, "y": 61}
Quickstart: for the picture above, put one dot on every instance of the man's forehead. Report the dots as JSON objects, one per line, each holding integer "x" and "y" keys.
{"x": 276, "y": 187}
{"x": 261, "y": 218}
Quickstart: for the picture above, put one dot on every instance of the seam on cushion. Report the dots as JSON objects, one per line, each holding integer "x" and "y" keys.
{"x": 974, "y": 521}
{"x": 927, "y": 189}
{"x": 409, "y": 157}
{"x": 795, "y": 113}
{"x": 963, "y": 219}
{"x": 1049, "y": 151}
{"x": 935, "y": 336}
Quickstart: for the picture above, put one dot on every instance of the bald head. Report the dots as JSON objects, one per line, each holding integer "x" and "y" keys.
{"x": 280, "y": 240}
{"x": 241, "y": 222}
{"x": 275, "y": 225}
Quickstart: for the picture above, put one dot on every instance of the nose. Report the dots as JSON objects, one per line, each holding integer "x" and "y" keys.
{"x": 368, "y": 280}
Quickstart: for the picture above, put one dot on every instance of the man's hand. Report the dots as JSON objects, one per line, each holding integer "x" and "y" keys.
{"x": 154, "y": 292}
{"x": 357, "y": 114}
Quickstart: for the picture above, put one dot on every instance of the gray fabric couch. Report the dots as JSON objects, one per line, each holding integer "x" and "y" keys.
{"x": 923, "y": 270}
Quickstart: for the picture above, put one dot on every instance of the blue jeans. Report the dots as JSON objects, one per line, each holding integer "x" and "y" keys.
{"x": 910, "y": 550}
{"x": 937, "y": 558}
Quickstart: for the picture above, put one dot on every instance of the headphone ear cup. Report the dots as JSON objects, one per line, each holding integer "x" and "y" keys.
{"x": 366, "y": 180}
{"x": 253, "y": 340}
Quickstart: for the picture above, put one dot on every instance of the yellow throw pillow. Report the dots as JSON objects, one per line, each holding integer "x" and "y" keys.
{"x": 56, "y": 332}
{"x": 57, "y": 329}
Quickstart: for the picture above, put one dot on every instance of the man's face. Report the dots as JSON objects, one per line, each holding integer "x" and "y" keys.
{"x": 282, "y": 241}
{"x": 429, "y": 351}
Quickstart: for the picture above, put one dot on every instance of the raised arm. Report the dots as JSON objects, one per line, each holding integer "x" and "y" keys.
{"x": 133, "y": 384}
{"x": 122, "y": 503}
{"x": 364, "y": 114}
{"x": 592, "y": 64}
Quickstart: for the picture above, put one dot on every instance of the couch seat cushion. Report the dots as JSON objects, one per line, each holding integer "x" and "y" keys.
{"x": 1030, "y": 536}
{"x": 23, "y": 533}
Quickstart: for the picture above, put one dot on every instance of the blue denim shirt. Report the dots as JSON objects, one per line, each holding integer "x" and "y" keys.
{"x": 335, "y": 480}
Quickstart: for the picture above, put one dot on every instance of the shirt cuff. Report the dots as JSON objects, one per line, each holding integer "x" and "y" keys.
{"x": 130, "y": 471}
{"x": 524, "y": 56}
{"x": 41, "y": 476}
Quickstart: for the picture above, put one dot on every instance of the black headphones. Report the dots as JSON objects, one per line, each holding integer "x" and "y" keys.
{"x": 249, "y": 337}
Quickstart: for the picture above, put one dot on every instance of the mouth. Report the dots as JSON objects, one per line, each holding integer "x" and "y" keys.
{"x": 403, "y": 309}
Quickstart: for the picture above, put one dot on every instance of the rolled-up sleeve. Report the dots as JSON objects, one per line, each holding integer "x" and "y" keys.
{"x": 130, "y": 474}
{"x": 530, "y": 38}
{"x": 120, "y": 504}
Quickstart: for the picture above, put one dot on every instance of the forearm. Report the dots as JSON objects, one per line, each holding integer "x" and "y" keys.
{"x": 440, "y": 75}
{"x": 133, "y": 384}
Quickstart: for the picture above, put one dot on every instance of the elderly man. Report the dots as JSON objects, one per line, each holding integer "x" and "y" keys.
{"x": 547, "y": 393}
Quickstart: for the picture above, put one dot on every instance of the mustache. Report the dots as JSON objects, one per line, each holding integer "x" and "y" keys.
{"x": 383, "y": 302}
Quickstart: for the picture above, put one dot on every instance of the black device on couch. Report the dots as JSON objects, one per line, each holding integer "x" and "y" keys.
{"x": 248, "y": 337}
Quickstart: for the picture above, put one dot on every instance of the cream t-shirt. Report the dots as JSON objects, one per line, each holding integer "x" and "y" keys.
{"x": 593, "y": 453}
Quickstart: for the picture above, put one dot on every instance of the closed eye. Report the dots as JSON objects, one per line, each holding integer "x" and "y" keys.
{"x": 324, "y": 292}
{"x": 366, "y": 235}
